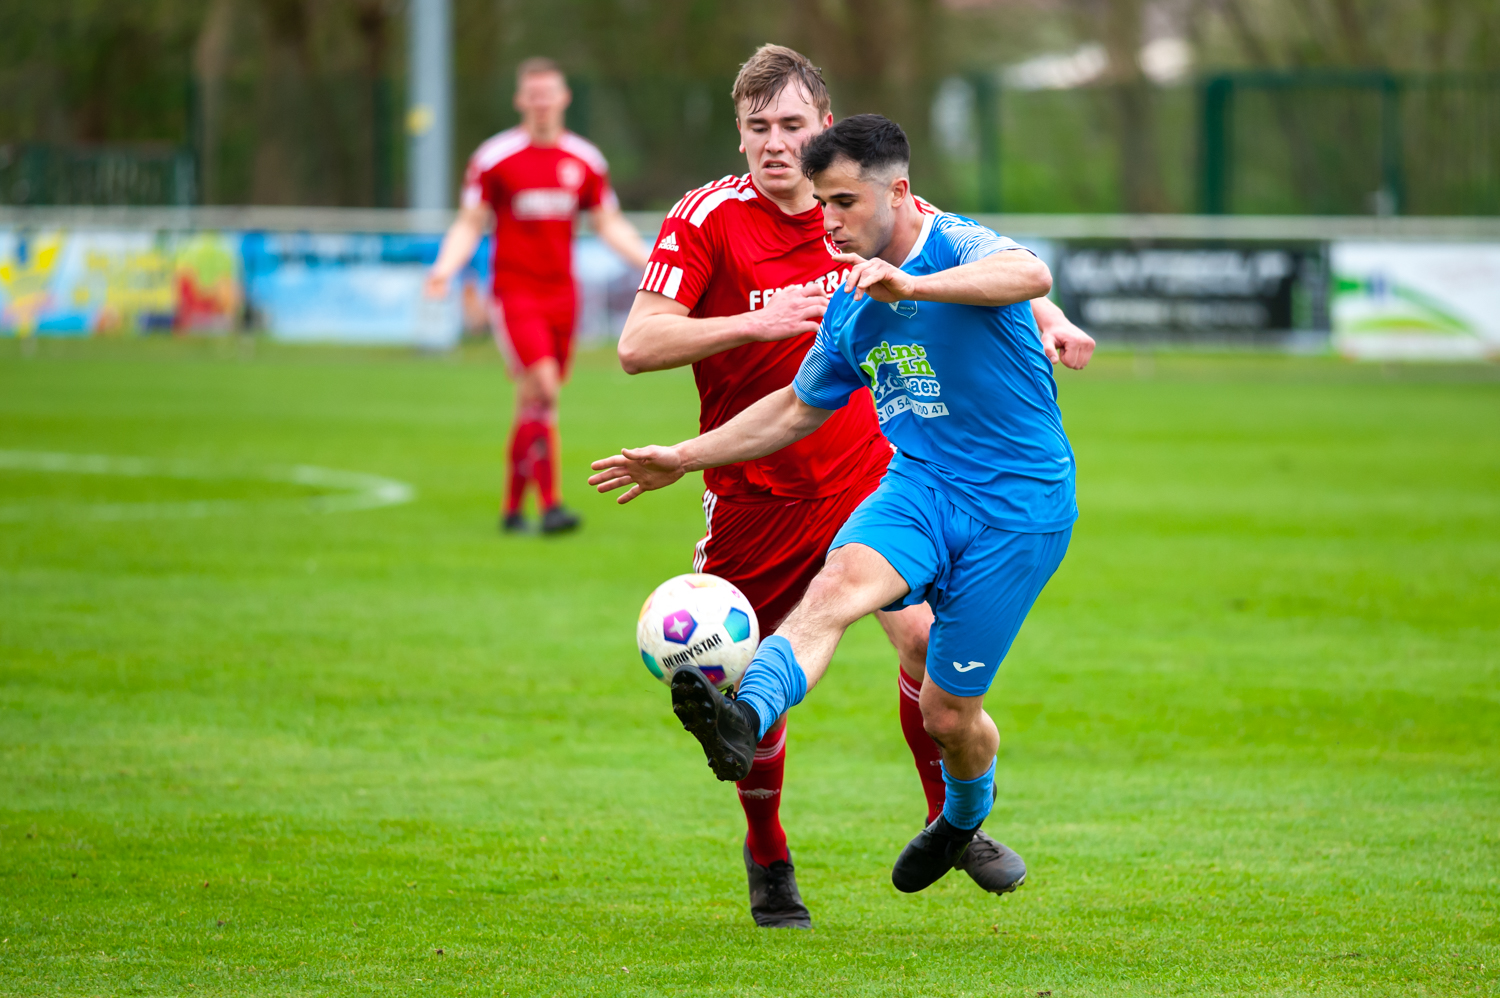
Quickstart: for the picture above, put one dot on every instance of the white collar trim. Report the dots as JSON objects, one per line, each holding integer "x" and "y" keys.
{"x": 916, "y": 247}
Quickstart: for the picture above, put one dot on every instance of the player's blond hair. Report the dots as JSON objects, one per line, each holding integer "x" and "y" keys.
{"x": 537, "y": 65}
{"x": 768, "y": 71}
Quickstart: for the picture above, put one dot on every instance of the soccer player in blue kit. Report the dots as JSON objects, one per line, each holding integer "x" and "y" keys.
{"x": 976, "y": 510}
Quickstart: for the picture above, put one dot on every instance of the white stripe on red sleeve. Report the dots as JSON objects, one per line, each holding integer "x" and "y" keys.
{"x": 674, "y": 281}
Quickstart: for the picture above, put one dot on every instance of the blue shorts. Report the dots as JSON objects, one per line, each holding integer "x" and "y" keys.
{"x": 980, "y": 580}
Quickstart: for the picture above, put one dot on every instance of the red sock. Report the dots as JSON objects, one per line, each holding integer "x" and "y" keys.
{"x": 546, "y": 466}
{"x": 530, "y": 459}
{"x": 924, "y": 751}
{"x": 520, "y": 465}
{"x": 760, "y": 796}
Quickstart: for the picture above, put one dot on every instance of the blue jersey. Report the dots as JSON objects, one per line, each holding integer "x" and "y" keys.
{"x": 964, "y": 392}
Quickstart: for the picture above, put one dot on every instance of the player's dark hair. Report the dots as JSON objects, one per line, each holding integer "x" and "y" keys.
{"x": 873, "y": 141}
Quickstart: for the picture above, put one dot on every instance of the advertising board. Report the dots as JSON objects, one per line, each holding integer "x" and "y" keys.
{"x": 1247, "y": 293}
{"x": 340, "y": 287}
{"x": 1429, "y": 293}
{"x": 347, "y": 288}
{"x": 1416, "y": 301}
{"x": 61, "y": 283}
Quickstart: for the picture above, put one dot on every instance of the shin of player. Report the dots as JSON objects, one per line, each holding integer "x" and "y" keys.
{"x": 534, "y": 179}
{"x": 977, "y": 508}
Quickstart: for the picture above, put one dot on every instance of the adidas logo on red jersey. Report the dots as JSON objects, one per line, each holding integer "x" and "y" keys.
{"x": 669, "y": 243}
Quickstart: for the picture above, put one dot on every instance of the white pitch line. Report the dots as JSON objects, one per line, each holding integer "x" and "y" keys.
{"x": 351, "y": 490}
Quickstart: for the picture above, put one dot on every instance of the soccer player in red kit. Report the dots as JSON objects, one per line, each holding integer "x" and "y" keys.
{"x": 534, "y": 179}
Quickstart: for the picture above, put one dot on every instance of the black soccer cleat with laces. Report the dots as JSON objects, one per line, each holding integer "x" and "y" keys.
{"x": 514, "y": 523}
{"x": 727, "y": 729}
{"x": 994, "y": 866}
{"x": 928, "y": 857}
{"x": 775, "y": 902}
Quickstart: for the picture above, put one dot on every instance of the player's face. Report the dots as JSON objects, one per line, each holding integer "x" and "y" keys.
{"x": 772, "y": 139}
{"x": 859, "y": 212}
{"x": 542, "y": 98}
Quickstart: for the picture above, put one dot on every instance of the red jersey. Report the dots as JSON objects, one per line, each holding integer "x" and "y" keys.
{"x": 725, "y": 249}
{"x": 535, "y": 192}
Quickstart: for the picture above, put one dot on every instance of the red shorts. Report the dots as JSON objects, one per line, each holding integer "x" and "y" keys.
{"x": 530, "y": 324}
{"x": 771, "y": 548}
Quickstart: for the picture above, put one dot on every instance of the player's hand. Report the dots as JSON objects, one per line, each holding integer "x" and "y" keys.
{"x": 791, "y": 312}
{"x": 435, "y": 287}
{"x": 644, "y": 470}
{"x": 877, "y": 278}
{"x": 1065, "y": 342}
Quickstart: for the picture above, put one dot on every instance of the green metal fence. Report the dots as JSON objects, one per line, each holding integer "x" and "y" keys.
{"x": 1292, "y": 143}
{"x": 38, "y": 174}
{"x": 1350, "y": 142}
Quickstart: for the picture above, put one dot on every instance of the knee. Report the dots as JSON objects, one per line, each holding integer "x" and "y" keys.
{"x": 541, "y": 384}
{"x": 828, "y": 586}
{"x": 836, "y": 596}
{"x": 538, "y": 395}
{"x": 943, "y": 724}
{"x": 548, "y": 391}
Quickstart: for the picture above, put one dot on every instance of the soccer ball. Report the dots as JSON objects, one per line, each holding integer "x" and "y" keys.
{"x": 698, "y": 620}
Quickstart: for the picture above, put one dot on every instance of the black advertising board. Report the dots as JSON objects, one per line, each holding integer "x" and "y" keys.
{"x": 1193, "y": 290}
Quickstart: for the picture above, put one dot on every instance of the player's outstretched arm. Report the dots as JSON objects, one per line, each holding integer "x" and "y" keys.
{"x": 1062, "y": 340}
{"x": 1003, "y": 278}
{"x": 777, "y": 420}
{"x": 458, "y": 247}
{"x": 616, "y": 232}
{"x": 659, "y": 334}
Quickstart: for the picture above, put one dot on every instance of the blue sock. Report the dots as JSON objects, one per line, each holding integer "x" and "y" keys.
{"x": 773, "y": 681}
{"x": 969, "y": 801}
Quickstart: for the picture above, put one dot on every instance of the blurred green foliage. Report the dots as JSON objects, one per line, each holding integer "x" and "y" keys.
{"x": 301, "y": 101}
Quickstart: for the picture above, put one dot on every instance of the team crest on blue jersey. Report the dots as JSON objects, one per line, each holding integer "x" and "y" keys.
{"x": 905, "y": 309}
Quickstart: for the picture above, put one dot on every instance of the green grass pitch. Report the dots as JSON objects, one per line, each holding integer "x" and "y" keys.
{"x": 1250, "y": 734}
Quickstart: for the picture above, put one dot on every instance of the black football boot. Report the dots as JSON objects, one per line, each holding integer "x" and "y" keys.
{"x": 514, "y": 523}
{"x": 775, "y": 902}
{"x": 559, "y": 520}
{"x": 928, "y": 857}
{"x": 992, "y": 865}
{"x": 727, "y": 729}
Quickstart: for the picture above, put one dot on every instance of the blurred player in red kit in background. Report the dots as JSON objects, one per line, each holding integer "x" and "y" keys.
{"x": 534, "y": 179}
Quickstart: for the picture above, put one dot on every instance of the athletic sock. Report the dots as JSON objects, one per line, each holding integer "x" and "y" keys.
{"x": 546, "y": 465}
{"x": 924, "y": 751}
{"x": 760, "y": 796}
{"x": 773, "y": 683}
{"x": 968, "y": 802}
{"x": 515, "y": 489}
{"x": 530, "y": 458}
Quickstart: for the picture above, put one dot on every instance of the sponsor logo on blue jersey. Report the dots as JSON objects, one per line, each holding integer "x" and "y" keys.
{"x": 902, "y": 380}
